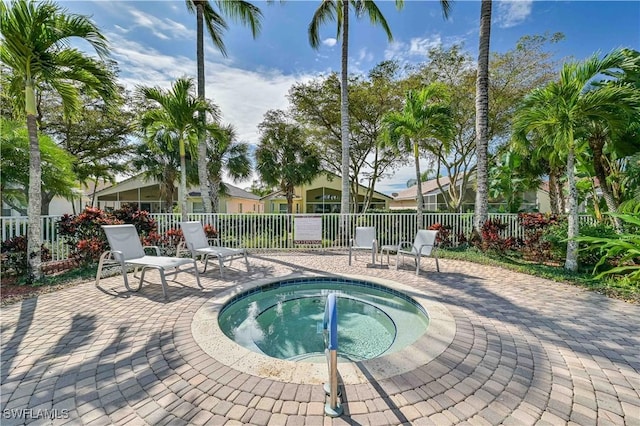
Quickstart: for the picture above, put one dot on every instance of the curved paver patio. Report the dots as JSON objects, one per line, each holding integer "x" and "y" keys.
{"x": 525, "y": 351}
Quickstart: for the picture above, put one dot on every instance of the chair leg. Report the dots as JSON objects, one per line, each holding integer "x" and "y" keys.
{"x": 205, "y": 259}
{"x": 221, "y": 264}
{"x": 349, "y": 256}
{"x": 196, "y": 273}
{"x": 437, "y": 265}
{"x": 163, "y": 279}
{"x": 246, "y": 261}
{"x": 126, "y": 280}
{"x": 144, "y": 271}
{"x": 418, "y": 264}
{"x": 100, "y": 265}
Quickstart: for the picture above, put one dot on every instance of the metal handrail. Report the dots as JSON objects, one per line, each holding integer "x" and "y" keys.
{"x": 330, "y": 328}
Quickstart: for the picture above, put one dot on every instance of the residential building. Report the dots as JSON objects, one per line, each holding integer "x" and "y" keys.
{"x": 323, "y": 195}
{"x": 435, "y": 193}
{"x": 146, "y": 194}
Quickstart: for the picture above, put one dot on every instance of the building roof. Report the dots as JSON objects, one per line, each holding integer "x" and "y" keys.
{"x": 279, "y": 195}
{"x": 428, "y": 187}
{"x": 232, "y": 191}
{"x": 139, "y": 181}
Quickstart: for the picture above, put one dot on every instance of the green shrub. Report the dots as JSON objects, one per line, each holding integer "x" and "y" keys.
{"x": 14, "y": 255}
{"x": 620, "y": 253}
{"x": 556, "y": 236}
{"x": 534, "y": 246}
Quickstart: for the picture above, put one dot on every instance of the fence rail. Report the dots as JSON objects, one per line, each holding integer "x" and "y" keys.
{"x": 275, "y": 231}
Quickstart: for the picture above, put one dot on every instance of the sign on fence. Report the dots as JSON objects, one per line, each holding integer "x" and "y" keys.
{"x": 307, "y": 230}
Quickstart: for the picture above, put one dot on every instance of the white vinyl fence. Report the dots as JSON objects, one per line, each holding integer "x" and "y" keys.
{"x": 276, "y": 231}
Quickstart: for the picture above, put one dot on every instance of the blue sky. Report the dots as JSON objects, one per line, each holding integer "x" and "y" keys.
{"x": 154, "y": 43}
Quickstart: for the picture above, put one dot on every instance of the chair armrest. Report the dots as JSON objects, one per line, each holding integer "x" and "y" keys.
{"x": 156, "y": 248}
{"x": 426, "y": 245}
{"x": 115, "y": 254}
{"x": 404, "y": 243}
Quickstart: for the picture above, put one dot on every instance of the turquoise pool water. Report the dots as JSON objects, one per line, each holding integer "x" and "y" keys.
{"x": 284, "y": 319}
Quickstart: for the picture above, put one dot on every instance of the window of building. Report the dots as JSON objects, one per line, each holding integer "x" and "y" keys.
{"x": 198, "y": 207}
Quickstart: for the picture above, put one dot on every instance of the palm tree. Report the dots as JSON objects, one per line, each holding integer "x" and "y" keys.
{"x": 36, "y": 47}
{"x": 159, "y": 161}
{"x": 556, "y": 112}
{"x": 482, "y": 118}
{"x": 338, "y": 10}
{"x": 424, "y": 123}
{"x": 284, "y": 157}
{"x": 248, "y": 14}
{"x": 226, "y": 155}
{"x": 175, "y": 121}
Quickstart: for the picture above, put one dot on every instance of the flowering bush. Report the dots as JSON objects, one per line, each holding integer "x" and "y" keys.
{"x": 492, "y": 238}
{"x": 129, "y": 213}
{"x": 536, "y": 247}
{"x": 85, "y": 237}
{"x": 14, "y": 255}
{"x": 210, "y": 231}
{"x": 444, "y": 234}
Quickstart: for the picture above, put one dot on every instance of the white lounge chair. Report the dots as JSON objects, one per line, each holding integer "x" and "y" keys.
{"x": 364, "y": 239}
{"x": 198, "y": 244}
{"x": 423, "y": 245}
{"x": 126, "y": 249}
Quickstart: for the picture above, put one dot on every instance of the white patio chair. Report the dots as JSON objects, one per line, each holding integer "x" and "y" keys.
{"x": 198, "y": 244}
{"x": 126, "y": 249}
{"x": 423, "y": 245}
{"x": 364, "y": 239}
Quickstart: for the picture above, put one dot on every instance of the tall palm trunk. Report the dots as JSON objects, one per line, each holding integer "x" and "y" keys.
{"x": 203, "y": 175}
{"x": 214, "y": 189}
{"x": 183, "y": 182}
{"x": 344, "y": 109}
{"x": 289, "y": 191}
{"x": 35, "y": 195}
{"x": 596, "y": 144}
{"x": 571, "y": 261}
{"x": 419, "y": 196}
{"x": 482, "y": 117}
{"x": 553, "y": 192}
{"x": 35, "y": 201}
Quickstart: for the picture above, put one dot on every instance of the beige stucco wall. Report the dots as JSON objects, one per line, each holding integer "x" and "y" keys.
{"x": 242, "y": 205}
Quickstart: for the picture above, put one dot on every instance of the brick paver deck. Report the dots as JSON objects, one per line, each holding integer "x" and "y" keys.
{"x": 525, "y": 351}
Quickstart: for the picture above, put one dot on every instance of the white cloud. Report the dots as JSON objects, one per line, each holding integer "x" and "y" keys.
{"x": 512, "y": 13}
{"x": 365, "y": 55}
{"x": 122, "y": 29}
{"x": 421, "y": 46}
{"x": 243, "y": 96}
{"x": 163, "y": 28}
{"x": 416, "y": 47}
{"x": 329, "y": 42}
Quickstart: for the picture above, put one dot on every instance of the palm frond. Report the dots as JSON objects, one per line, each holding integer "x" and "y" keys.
{"x": 326, "y": 12}
{"x": 370, "y": 8}
{"x": 242, "y": 11}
